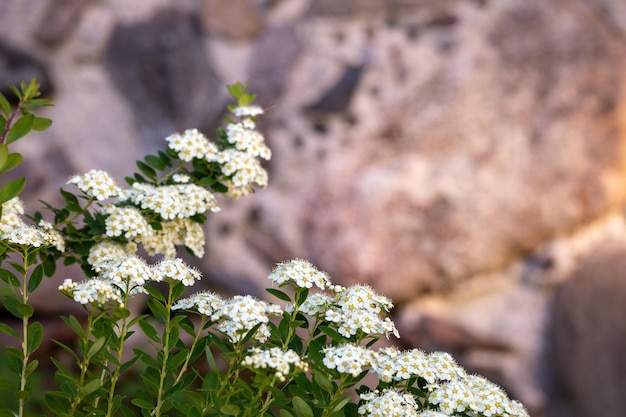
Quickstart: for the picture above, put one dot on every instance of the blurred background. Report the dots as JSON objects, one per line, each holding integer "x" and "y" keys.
{"x": 466, "y": 158}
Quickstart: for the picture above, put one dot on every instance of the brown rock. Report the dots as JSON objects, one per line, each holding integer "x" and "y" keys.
{"x": 59, "y": 20}
{"x": 589, "y": 337}
{"x": 489, "y": 148}
{"x": 231, "y": 18}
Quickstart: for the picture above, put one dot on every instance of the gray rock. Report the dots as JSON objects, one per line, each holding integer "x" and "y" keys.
{"x": 589, "y": 337}
{"x": 161, "y": 68}
{"x": 58, "y": 21}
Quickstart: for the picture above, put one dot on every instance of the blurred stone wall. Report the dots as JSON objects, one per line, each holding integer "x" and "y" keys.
{"x": 463, "y": 157}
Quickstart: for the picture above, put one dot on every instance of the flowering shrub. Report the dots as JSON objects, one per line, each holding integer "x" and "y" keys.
{"x": 201, "y": 354}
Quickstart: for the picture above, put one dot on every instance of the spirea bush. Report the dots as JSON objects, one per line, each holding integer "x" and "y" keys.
{"x": 197, "y": 354}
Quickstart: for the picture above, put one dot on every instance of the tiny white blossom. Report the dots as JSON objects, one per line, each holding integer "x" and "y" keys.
{"x": 96, "y": 183}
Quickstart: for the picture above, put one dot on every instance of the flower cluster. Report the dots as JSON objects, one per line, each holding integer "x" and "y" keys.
{"x": 173, "y": 233}
{"x": 236, "y": 316}
{"x": 14, "y": 231}
{"x": 206, "y": 303}
{"x": 450, "y": 389}
{"x": 175, "y": 270}
{"x": 388, "y": 403}
{"x": 126, "y": 221}
{"x": 94, "y": 291}
{"x": 122, "y": 275}
{"x": 281, "y": 362}
{"x": 192, "y": 144}
{"x": 301, "y": 273}
{"x": 97, "y": 184}
{"x": 347, "y": 359}
{"x": 357, "y": 308}
{"x": 172, "y": 201}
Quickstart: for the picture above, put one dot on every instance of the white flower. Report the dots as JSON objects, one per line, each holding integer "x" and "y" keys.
{"x": 206, "y": 302}
{"x": 175, "y": 232}
{"x": 301, "y": 273}
{"x": 242, "y": 313}
{"x": 173, "y": 201}
{"x": 347, "y": 359}
{"x": 248, "y": 111}
{"x": 177, "y": 270}
{"x": 191, "y": 144}
{"x": 106, "y": 252}
{"x": 388, "y": 404}
{"x": 281, "y": 362}
{"x": 126, "y": 221}
{"x": 96, "y": 184}
{"x": 94, "y": 291}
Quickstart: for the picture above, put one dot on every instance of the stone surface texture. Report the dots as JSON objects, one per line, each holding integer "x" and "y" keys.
{"x": 463, "y": 157}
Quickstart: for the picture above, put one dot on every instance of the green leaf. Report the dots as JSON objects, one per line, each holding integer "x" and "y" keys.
{"x": 146, "y": 170}
{"x": 302, "y": 408}
{"x": 278, "y": 294}
{"x": 15, "y": 91}
{"x": 218, "y": 187}
{"x": 341, "y": 404}
{"x": 3, "y": 123}
{"x": 90, "y": 387}
{"x": 41, "y": 123}
{"x": 5, "y": 106}
{"x": 49, "y": 265}
{"x": 155, "y": 162}
{"x": 158, "y": 310}
{"x": 12, "y": 189}
{"x": 20, "y": 128}
{"x": 145, "y": 404}
{"x": 4, "y": 152}
{"x": 12, "y": 305}
{"x": 30, "y": 368}
{"x": 336, "y": 337}
{"x": 230, "y": 410}
{"x": 96, "y": 347}
{"x": 6, "y": 329}
{"x": 285, "y": 413}
{"x": 75, "y": 325}
{"x": 149, "y": 331}
{"x": 38, "y": 102}
{"x": 13, "y": 160}
{"x": 323, "y": 381}
{"x": 35, "y": 337}
{"x": 9, "y": 277}
{"x": 155, "y": 293}
{"x": 35, "y": 278}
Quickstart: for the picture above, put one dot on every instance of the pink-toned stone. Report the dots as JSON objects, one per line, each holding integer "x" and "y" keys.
{"x": 231, "y": 18}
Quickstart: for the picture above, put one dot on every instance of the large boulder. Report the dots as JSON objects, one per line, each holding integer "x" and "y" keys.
{"x": 589, "y": 338}
{"x": 468, "y": 144}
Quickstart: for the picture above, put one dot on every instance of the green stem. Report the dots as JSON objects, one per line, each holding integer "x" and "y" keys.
{"x": 25, "y": 354}
{"x": 117, "y": 366}
{"x": 166, "y": 353}
{"x": 268, "y": 399}
{"x": 7, "y": 126}
{"x": 84, "y": 364}
{"x": 231, "y": 375}
{"x": 173, "y": 171}
{"x": 335, "y": 396}
{"x": 183, "y": 369}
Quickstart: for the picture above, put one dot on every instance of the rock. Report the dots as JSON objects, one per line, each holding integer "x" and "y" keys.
{"x": 434, "y": 182}
{"x": 58, "y": 21}
{"x": 238, "y": 19}
{"x": 271, "y": 62}
{"x": 17, "y": 66}
{"x": 493, "y": 325}
{"x": 161, "y": 68}
{"x": 588, "y": 336}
